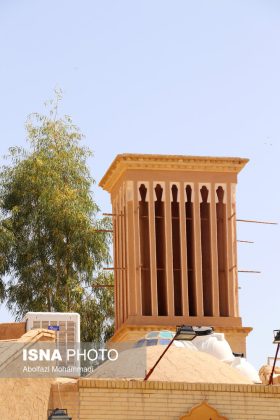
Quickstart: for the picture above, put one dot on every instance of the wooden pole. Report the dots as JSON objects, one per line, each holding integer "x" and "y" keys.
{"x": 273, "y": 367}
{"x": 159, "y": 359}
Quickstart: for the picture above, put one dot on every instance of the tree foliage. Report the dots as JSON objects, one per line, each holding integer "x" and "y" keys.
{"x": 51, "y": 246}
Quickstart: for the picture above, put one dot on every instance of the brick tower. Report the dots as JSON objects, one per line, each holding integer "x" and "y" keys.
{"x": 175, "y": 248}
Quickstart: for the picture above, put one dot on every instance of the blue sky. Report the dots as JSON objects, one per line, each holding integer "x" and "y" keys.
{"x": 180, "y": 77}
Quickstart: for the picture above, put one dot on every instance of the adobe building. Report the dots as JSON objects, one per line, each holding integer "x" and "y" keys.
{"x": 175, "y": 247}
{"x": 175, "y": 262}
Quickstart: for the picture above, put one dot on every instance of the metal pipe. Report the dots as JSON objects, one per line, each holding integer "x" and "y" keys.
{"x": 249, "y": 271}
{"x": 256, "y": 221}
{"x": 111, "y": 214}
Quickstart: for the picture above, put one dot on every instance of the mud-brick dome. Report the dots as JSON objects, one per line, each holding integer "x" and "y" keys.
{"x": 177, "y": 365}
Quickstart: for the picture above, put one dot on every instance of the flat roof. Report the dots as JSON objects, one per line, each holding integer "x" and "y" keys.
{"x": 128, "y": 161}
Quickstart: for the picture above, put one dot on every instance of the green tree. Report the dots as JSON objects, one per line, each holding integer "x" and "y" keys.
{"x": 53, "y": 244}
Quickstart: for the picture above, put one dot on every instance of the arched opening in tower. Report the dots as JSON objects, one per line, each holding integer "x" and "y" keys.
{"x": 190, "y": 251}
{"x": 222, "y": 252}
{"x": 160, "y": 251}
{"x": 176, "y": 251}
{"x": 145, "y": 252}
{"x": 206, "y": 252}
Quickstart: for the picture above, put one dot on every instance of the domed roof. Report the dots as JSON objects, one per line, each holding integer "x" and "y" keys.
{"x": 179, "y": 364}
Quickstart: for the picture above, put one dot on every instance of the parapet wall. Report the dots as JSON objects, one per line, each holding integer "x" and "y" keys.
{"x": 101, "y": 399}
{"x": 12, "y": 330}
{"x": 90, "y": 399}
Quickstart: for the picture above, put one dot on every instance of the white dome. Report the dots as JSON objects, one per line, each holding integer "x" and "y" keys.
{"x": 246, "y": 369}
{"x": 216, "y": 345}
{"x": 186, "y": 344}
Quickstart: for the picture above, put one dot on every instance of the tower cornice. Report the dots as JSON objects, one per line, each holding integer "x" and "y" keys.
{"x": 153, "y": 162}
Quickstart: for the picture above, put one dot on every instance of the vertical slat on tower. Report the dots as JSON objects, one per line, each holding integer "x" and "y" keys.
{"x": 138, "y": 294}
{"x": 116, "y": 279}
{"x": 232, "y": 251}
{"x": 118, "y": 272}
{"x": 214, "y": 252}
{"x": 124, "y": 253}
{"x": 168, "y": 252}
{"x": 197, "y": 250}
{"x": 153, "y": 250}
{"x": 130, "y": 252}
{"x": 184, "y": 259}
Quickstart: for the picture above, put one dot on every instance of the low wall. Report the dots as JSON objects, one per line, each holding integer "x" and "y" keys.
{"x": 66, "y": 395}
{"x": 101, "y": 399}
{"x": 24, "y": 398}
{"x": 12, "y": 330}
{"x": 90, "y": 399}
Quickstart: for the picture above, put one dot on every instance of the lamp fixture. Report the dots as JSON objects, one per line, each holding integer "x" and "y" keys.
{"x": 59, "y": 414}
{"x": 276, "y": 334}
{"x": 184, "y": 333}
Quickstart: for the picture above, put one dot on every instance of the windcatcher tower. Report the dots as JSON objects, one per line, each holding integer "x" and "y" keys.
{"x": 175, "y": 248}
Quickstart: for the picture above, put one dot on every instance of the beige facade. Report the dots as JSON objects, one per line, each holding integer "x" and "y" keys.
{"x": 171, "y": 401}
{"x": 127, "y": 400}
{"x": 175, "y": 247}
{"x": 175, "y": 258}
{"x": 88, "y": 399}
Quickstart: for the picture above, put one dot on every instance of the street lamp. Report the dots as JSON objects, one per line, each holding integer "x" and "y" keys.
{"x": 58, "y": 414}
{"x": 183, "y": 333}
{"x": 276, "y": 334}
{"x": 276, "y": 340}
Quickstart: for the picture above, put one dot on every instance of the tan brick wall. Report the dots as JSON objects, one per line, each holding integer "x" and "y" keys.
{"x": 100, "y": 399}
{"x": 65, "y": 395}
{"x": 24, "y": 399}
{"x": 12, "y": 330}
{"x": 88, "y": 399}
